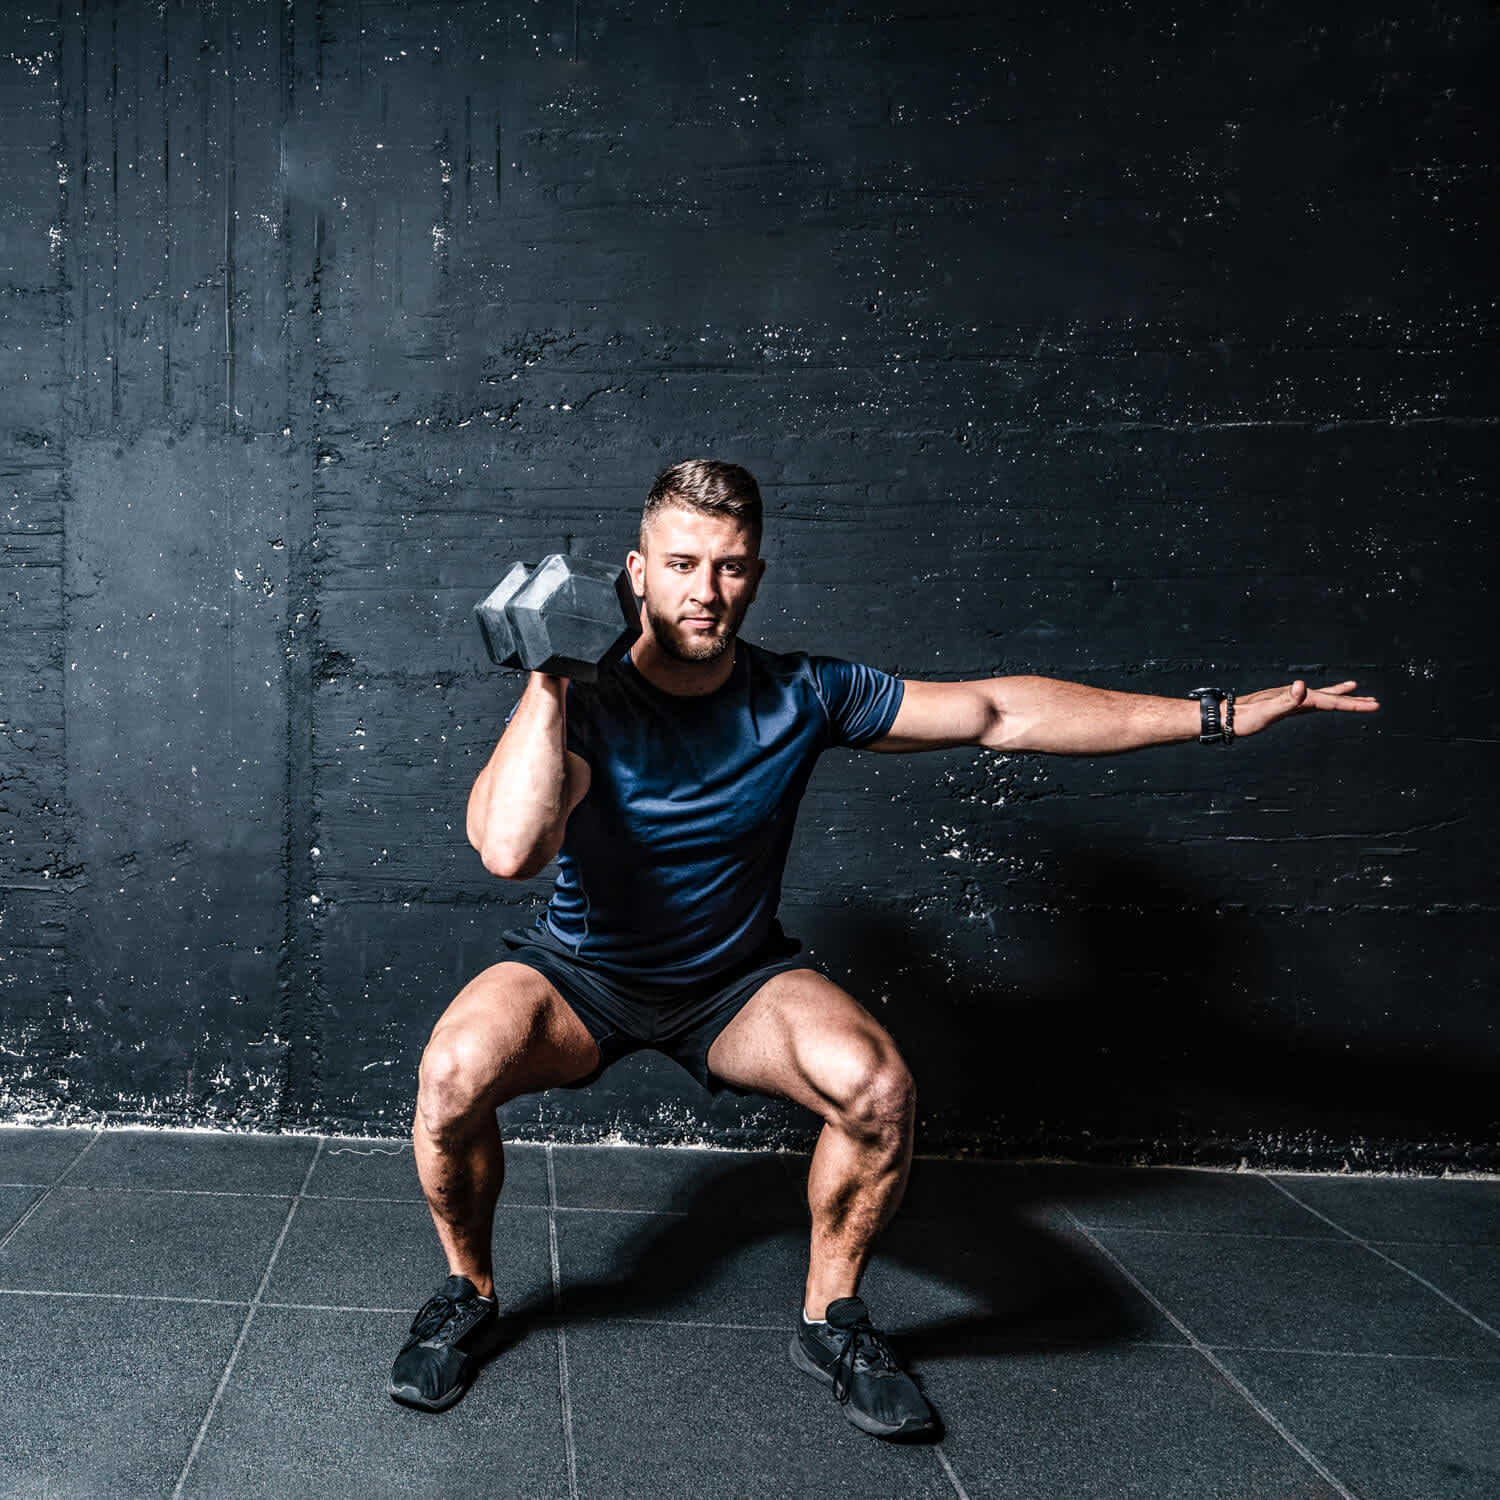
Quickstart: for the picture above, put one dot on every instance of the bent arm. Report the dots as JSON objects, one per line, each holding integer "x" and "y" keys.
{"x": 520, "y": 803}
{"x": 1069, "y": 718}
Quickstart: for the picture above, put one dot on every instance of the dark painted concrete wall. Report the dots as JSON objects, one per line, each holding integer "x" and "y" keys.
{"x": 1142, "y": 345}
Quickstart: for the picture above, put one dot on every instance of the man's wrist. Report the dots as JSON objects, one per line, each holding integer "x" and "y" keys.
{"x": 1215, "y": 715}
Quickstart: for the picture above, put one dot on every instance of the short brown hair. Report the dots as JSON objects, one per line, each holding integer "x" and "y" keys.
{"x": 710, "y": 486}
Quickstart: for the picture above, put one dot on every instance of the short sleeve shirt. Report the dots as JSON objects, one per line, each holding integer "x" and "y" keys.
{"x": 670, "y": 870}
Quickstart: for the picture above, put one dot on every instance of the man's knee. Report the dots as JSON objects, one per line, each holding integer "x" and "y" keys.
{"x": 454, "y": 1081}
{"x": 879, "y": 1095}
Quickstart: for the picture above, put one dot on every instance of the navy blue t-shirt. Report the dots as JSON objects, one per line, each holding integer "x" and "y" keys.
{"x": 670, "y": 870}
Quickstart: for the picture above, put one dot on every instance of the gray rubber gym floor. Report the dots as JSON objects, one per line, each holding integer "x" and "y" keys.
{"x": 208, "y": 1315}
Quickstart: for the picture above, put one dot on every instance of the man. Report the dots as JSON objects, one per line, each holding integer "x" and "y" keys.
{"x": 667, "y": 790}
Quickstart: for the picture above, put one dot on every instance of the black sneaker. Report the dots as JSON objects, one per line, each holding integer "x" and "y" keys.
{"x": 450, "y": 1336}
{"x": 849, "y": 1353}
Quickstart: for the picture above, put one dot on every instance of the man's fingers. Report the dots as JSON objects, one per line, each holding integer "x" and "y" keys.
{"x": 1270, "y": 704}
{"x": 1348, "y": 705}
{"x": 1341, "y": 695}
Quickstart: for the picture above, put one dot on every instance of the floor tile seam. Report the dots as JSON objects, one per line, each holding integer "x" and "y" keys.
{"x": 240, "y": 1302}
{"x": 285, "y": 1193}
{"x": 1224, "y": 1372}
{"x": 1424, "y": 1244}
{"x": 650, "y": 1213}
{"x": 335, "y": 1307}
{"x": 701, "y": 1323}
{"x": 169, "y": 1192}
{"x": 343, "y": 1307}
{"x": 947, "y": 1468}
{"x": 1213, "y": 1234}
{"x": 1338, "y": 1234}
{"x": 1390, "y": 1260}
{"x": 1371, "y": 1354}
{"x": 45, "y": 1291}
{"x": 1029, "y": 1344}
{"x": 274, "y": 1305}
{"x": 415, "y": 1201}
{"x": 1035, "y": 1344}
{"x": 47, "y": 1192}
{"x": 244, "y": 1333}
{"x": 39, "y": 1195}
{"x": 677, "y": 1213}
{"x": 565, "y": 1397}
{"x": 409, "y": 1202}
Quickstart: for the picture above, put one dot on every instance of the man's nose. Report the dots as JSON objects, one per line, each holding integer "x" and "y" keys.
{"x": 705, "y": 584}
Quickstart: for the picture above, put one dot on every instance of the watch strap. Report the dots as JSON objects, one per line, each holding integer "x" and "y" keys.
{"x": 1214, "y": 728}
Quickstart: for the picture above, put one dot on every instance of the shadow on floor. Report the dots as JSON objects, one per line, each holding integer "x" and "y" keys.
{"x": 1009, "y": 1279}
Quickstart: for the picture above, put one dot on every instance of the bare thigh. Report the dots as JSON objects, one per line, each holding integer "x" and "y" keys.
{"x": 508, "y": 1032}
{"x": 804, "y": 1038}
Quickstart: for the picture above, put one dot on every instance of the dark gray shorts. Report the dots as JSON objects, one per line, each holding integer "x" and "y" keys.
{"x": 683, "y": 1023}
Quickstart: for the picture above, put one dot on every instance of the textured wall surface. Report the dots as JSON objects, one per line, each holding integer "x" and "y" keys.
{"x": 1144, "y": 346}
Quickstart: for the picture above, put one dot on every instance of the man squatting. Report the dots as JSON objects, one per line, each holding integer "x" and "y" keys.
{"x": 667, "y": 791}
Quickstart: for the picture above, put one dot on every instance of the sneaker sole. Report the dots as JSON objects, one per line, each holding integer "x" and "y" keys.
{"x": 809, "y": 1366}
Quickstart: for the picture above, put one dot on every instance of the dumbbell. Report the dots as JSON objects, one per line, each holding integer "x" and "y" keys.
{"x": 565, "y": 616}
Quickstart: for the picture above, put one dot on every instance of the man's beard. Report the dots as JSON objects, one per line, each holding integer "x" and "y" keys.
{"x": 694, "y": 651}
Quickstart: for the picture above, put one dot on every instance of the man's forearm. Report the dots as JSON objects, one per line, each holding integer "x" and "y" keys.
{"x": 519, "y": 803}
{"x": 1068, "y": 718}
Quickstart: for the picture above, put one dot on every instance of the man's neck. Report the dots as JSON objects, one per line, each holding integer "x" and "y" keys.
{"x": 683, "y": 679}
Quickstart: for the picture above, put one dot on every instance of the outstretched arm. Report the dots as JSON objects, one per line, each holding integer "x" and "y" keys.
{"x": 1067, "y": 718}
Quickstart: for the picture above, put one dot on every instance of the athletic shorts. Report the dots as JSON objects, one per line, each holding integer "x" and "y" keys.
{"x": 624, "y": 1017}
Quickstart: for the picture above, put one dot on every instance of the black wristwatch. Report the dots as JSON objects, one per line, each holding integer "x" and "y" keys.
{"x": 1216, "y": 728}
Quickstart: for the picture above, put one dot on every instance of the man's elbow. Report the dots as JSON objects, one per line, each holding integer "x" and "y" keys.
{"x": 507, "y": 862}
{"x": 501, "y": 856}
{"x": 1011, "y": 715}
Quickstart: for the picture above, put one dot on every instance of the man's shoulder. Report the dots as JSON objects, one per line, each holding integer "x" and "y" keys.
{"x": 794, "y": 673}
{"x": 790, "y": 664}
{"x": 775, "y": 663}
{"x": 858, "y": 702}
{"x": 817, "y": 669}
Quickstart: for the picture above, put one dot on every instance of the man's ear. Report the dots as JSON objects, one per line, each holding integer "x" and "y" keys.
{"x": 635, "y": 566}
{"x": 760, "y": 574}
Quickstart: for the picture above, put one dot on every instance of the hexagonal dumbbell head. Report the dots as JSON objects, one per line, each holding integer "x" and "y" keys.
{"x": 499, "y": 638}
{"x": 570, "y": 615}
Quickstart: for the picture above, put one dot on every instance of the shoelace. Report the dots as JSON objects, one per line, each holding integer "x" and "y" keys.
{"x": 864, "y": 1339}
{"x": 434, "y": 1315}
